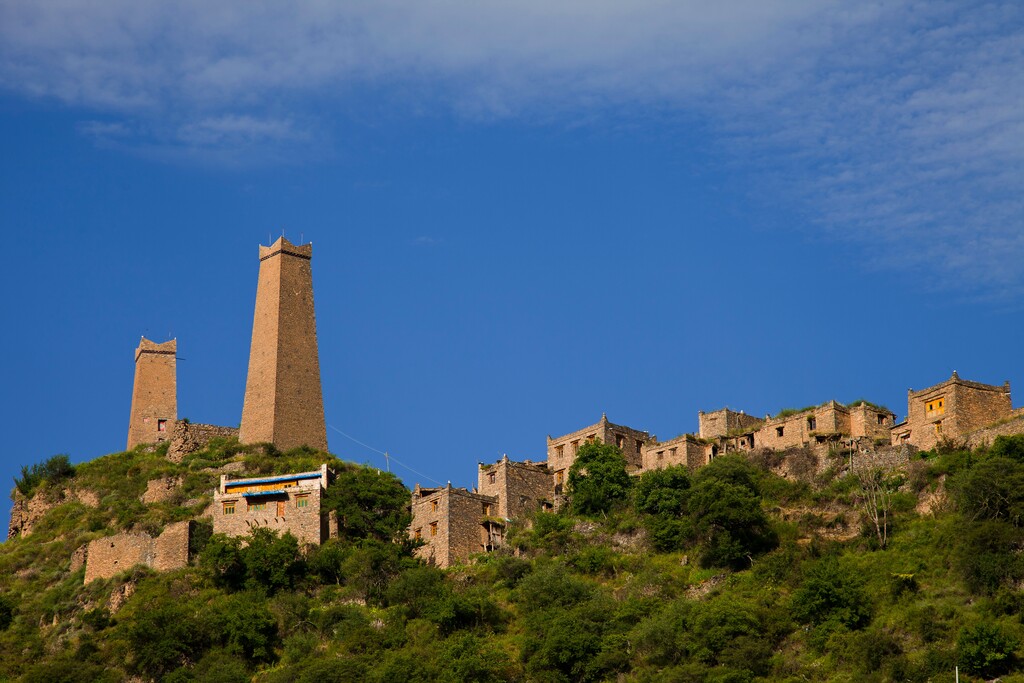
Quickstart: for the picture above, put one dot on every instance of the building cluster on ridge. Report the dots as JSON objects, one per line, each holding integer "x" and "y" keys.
{"x": 283, "y": 406}
{"x": 456, "y": 523}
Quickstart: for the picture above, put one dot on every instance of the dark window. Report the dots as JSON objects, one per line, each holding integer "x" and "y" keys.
{"x": 779, "y": 431}
{"x": 812, "y": 424}
{"x": 161, "y": 425}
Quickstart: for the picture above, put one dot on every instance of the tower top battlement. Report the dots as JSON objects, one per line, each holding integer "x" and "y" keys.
{"x": 147, "y": 346}
{"x": 283, "y": 246}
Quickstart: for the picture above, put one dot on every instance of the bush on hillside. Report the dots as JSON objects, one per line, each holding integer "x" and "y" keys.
{"x": 598, "y": 479}
{"x": 56, "y": 469}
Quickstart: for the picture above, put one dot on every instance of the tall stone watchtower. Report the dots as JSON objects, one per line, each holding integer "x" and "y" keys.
{"x": 283, "y": 400}
{"x": 154, "y": 394}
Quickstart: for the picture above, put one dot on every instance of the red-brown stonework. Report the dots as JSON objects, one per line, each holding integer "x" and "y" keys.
{"x": 951, "y": 410}
{"x": 454, "y": 524}
{"x": 154, "y": 394}
{"x": 287, "y": 503}
{"x": 108, "y": 556}
{"x": 283, "y": 400}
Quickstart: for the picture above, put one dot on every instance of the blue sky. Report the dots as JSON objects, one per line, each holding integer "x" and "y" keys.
{"x": 523, "y": 214}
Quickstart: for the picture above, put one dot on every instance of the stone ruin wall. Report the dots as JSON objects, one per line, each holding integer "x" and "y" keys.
{"x": 111, "y": 555}
{"x": 189, "y": 437}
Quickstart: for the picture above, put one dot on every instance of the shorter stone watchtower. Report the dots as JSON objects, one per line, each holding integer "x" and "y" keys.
{"x": 154, "y": 394}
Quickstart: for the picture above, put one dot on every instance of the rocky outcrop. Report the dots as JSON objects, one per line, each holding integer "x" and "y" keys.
{"x": 26, "y": 512}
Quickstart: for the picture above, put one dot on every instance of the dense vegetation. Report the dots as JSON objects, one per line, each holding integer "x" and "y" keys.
{"x": 731, "y": 573}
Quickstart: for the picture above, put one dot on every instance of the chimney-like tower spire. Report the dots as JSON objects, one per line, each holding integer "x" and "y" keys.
{"x": 154, "y": 394}
{"x": 283, "y": 400}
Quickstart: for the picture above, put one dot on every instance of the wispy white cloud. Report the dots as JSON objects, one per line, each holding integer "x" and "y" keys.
{"x": 897, "y": 124}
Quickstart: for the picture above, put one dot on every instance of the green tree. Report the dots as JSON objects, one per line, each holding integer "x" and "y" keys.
{"x": 728, "y": 521}
{"x": 598, "y": 479}
{"x": 662, "y": 495}
{"x": 369, "y": 504}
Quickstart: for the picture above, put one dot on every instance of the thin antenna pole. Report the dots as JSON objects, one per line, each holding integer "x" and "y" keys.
{"x": 387, "y": 460}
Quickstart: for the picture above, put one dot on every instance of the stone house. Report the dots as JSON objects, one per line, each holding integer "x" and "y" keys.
{"x": 454, "y": 524}
{"x": 951, "y": 410}
{"x": 284, "y": 503}
{"x": 519, "y": 487}
{"x": 687, "y": 449}
{"x": 562, "y": 450}
{"x": 823, "y": 425}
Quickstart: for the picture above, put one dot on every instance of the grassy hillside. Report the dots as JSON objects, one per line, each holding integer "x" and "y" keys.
{"x": 729, "y": 574}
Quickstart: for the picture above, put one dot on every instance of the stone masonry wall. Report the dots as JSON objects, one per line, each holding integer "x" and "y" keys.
{"x": 106, "y": 557}
{"x": 985, "y": 437}
{"x": 725, "y": 422}
{"x": 189, "y": 437}
{"x": 519, "y": 487}
{"x": 682, "y": 450}
{"x": 161, "y": 490}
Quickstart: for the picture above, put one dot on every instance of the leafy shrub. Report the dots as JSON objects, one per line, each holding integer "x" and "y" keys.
{"x": 51, "y": 471}
{"x": 267, "y": 561}
{"x": 1009, "y": 447}
{"x": 985, "y": 650}
{"x": 830, "y": 593}
{"x": 988, "y": 555}
{"x": 992, "y": 489}
{"x": 598, "y": 479}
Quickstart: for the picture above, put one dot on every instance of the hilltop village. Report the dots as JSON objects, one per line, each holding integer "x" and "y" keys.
{"x": 283, "y": 406}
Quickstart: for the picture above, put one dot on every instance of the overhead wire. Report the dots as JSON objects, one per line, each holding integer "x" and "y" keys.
{"x": 390, "y": 457}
